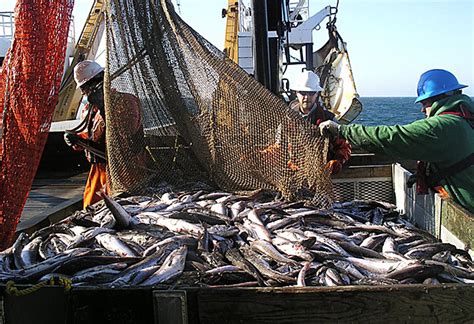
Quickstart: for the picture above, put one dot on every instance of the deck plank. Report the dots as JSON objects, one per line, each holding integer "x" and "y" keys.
{"x": 49, "y": 193}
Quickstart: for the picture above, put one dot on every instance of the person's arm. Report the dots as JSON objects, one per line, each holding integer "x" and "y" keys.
{"x": 420, "y": 140}
{"x": 342, "y": 150}
{"x": 132, "y": 110}
{"x": 340, "y": 153}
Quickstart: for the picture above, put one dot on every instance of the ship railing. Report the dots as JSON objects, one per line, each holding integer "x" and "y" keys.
{"x": 7, "y": 24}
{"x": 299, "y": 11}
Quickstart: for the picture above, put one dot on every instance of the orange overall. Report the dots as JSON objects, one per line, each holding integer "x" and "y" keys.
{"x": 127, "y": 112}
{"x": 94, "y": 134}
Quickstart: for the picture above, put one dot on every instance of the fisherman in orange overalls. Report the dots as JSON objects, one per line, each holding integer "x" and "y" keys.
{"x": 89, "y": 77}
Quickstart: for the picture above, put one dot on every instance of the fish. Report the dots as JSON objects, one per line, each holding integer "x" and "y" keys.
{"x": 292, "y": 249}
{"x": 172, "y": 267}
{"x": 234, "y": 256}
{"x": 375, "y": 281}
{"x": 121, "y": 216}
{"x": 175, "y": 225}
{"x": 236, "y": 208}
{"x": 199, "y": 237}
{"x": 300, "y": 281}
{"x": 54, "y": 244}
{"x": 282, "y": 222}
{"x": 379, "y": 266}
{"x": 269, "y": 250}
{"x": 333, "y": 278}
{"x": 264, "y": 268}
{"x": 349, "y": 268}
{"x": 87, "y": 237}
{"x": 30, "y": 252}
{"x": 115, "y": 245}
{"x": 98, "y": 274}
{"x": 139, "y": 269}
{"x": 331, "y": 243}
{"x": 373, "y": 241}
{"x": 17, "y": 248}
{"x": 222, "y": 269}
{"x": 201, "y": 215}
{"x": 418, "y": 271}
{"x": 426, "y": 251}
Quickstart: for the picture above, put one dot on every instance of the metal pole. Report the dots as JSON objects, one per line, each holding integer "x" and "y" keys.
{"x": 309, "y": 57}
{"x": 260, "y": 43}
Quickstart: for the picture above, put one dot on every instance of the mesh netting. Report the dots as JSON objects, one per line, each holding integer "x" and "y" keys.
{"x": 203, "y": 116}
{"x": 31, "y": 76}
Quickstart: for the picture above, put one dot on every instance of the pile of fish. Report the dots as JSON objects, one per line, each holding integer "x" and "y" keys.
{"x": 220, "y": 239}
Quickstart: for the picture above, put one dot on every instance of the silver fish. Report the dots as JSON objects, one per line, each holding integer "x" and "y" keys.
{"x": 269, "y": 250}
{"x": 18, "y": 246}
{"x": 222, "y": 269}
{"x": 260, "y": 231}
{"x": 380, "y": 266}
{"x": 99, "y": 274}
{"x": 30, "y": 253}
{"x": 120, "y": 214}
{"x": 172, "y": 267}
{"x": 300, "y": 281}
{"x": 221, "y": 209}
{"x": 264, "y": 268}
{"x": 175, "y": 225}
{"x": 426, "y": 251}
{"x": 115, "y": 245}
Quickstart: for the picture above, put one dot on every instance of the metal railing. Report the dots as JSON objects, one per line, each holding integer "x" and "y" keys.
{"x": 299, "y": 11}
{"x": 7, "y": 24}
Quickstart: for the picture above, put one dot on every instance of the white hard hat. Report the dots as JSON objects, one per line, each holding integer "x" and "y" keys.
{"x": 86, "y": 70}
{"x": 307, "y": 81}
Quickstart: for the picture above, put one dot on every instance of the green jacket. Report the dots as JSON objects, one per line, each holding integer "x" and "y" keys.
{"x": 440, "y": 140}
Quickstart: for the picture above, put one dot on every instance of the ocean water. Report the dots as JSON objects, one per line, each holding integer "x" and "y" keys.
{"x": 389, "y": 111}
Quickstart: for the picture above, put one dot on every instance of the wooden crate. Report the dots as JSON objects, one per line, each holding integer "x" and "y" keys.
{"x": 352, "y": 304}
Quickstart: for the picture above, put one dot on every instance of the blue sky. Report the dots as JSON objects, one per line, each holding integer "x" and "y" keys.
{"x": 390, "y": 42}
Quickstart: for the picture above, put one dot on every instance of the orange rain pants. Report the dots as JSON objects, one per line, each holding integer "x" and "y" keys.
{"x": 96, "y": 180}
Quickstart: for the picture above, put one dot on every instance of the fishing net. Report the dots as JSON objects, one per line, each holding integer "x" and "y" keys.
{"x": 202, "y": 116}
{"x": 28, "y": 95}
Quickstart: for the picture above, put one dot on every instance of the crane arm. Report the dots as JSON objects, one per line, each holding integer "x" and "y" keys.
{"x": 231, "y": 42}
{"x": 302, "y": 34}
{"x": 86, "y": 49}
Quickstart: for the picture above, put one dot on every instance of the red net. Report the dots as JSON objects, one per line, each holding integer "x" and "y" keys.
{"x": 31, "y": 77}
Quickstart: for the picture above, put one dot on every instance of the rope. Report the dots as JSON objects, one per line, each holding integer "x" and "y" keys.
{"x": 59, "y": 281}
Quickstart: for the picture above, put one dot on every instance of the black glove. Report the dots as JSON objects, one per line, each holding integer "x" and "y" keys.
{"x": 71, "y": 139}
{"x": 412, "y": 180}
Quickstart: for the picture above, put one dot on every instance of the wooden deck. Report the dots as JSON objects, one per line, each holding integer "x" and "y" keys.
{"x": 51, "y": 198}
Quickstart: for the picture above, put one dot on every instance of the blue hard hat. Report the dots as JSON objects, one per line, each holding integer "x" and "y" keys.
{"x": 436, "y": 82}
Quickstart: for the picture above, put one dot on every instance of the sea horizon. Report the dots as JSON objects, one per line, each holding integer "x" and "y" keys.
{"x": 389, "y": 111}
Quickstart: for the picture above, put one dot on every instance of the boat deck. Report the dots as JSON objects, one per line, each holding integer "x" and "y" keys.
{"x": 51, "y": 198}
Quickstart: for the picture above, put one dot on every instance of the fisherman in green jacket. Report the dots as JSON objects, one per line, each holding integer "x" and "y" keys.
{"x": 444, "y": 141}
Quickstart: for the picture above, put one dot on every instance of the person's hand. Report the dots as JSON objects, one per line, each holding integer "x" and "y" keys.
{"x": 329, "y": 128}
{"x": 71, "y": 139}
{"x": 334, "y": 166}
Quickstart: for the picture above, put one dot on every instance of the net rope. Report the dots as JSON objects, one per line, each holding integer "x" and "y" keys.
{"x": 201, "y": 116}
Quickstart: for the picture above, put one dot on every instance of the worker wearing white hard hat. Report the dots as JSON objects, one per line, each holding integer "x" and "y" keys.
{"x": 90, "y": 138}
{"x": 308, "y": 88}
{"x": 89, "y": 77}
{"x": 85, "y": 71}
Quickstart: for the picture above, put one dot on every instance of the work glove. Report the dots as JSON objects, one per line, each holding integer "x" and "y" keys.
{"x": 71, "y": 139}
{"x": 334, "y": 166}
{"x": 329, "y": 128}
